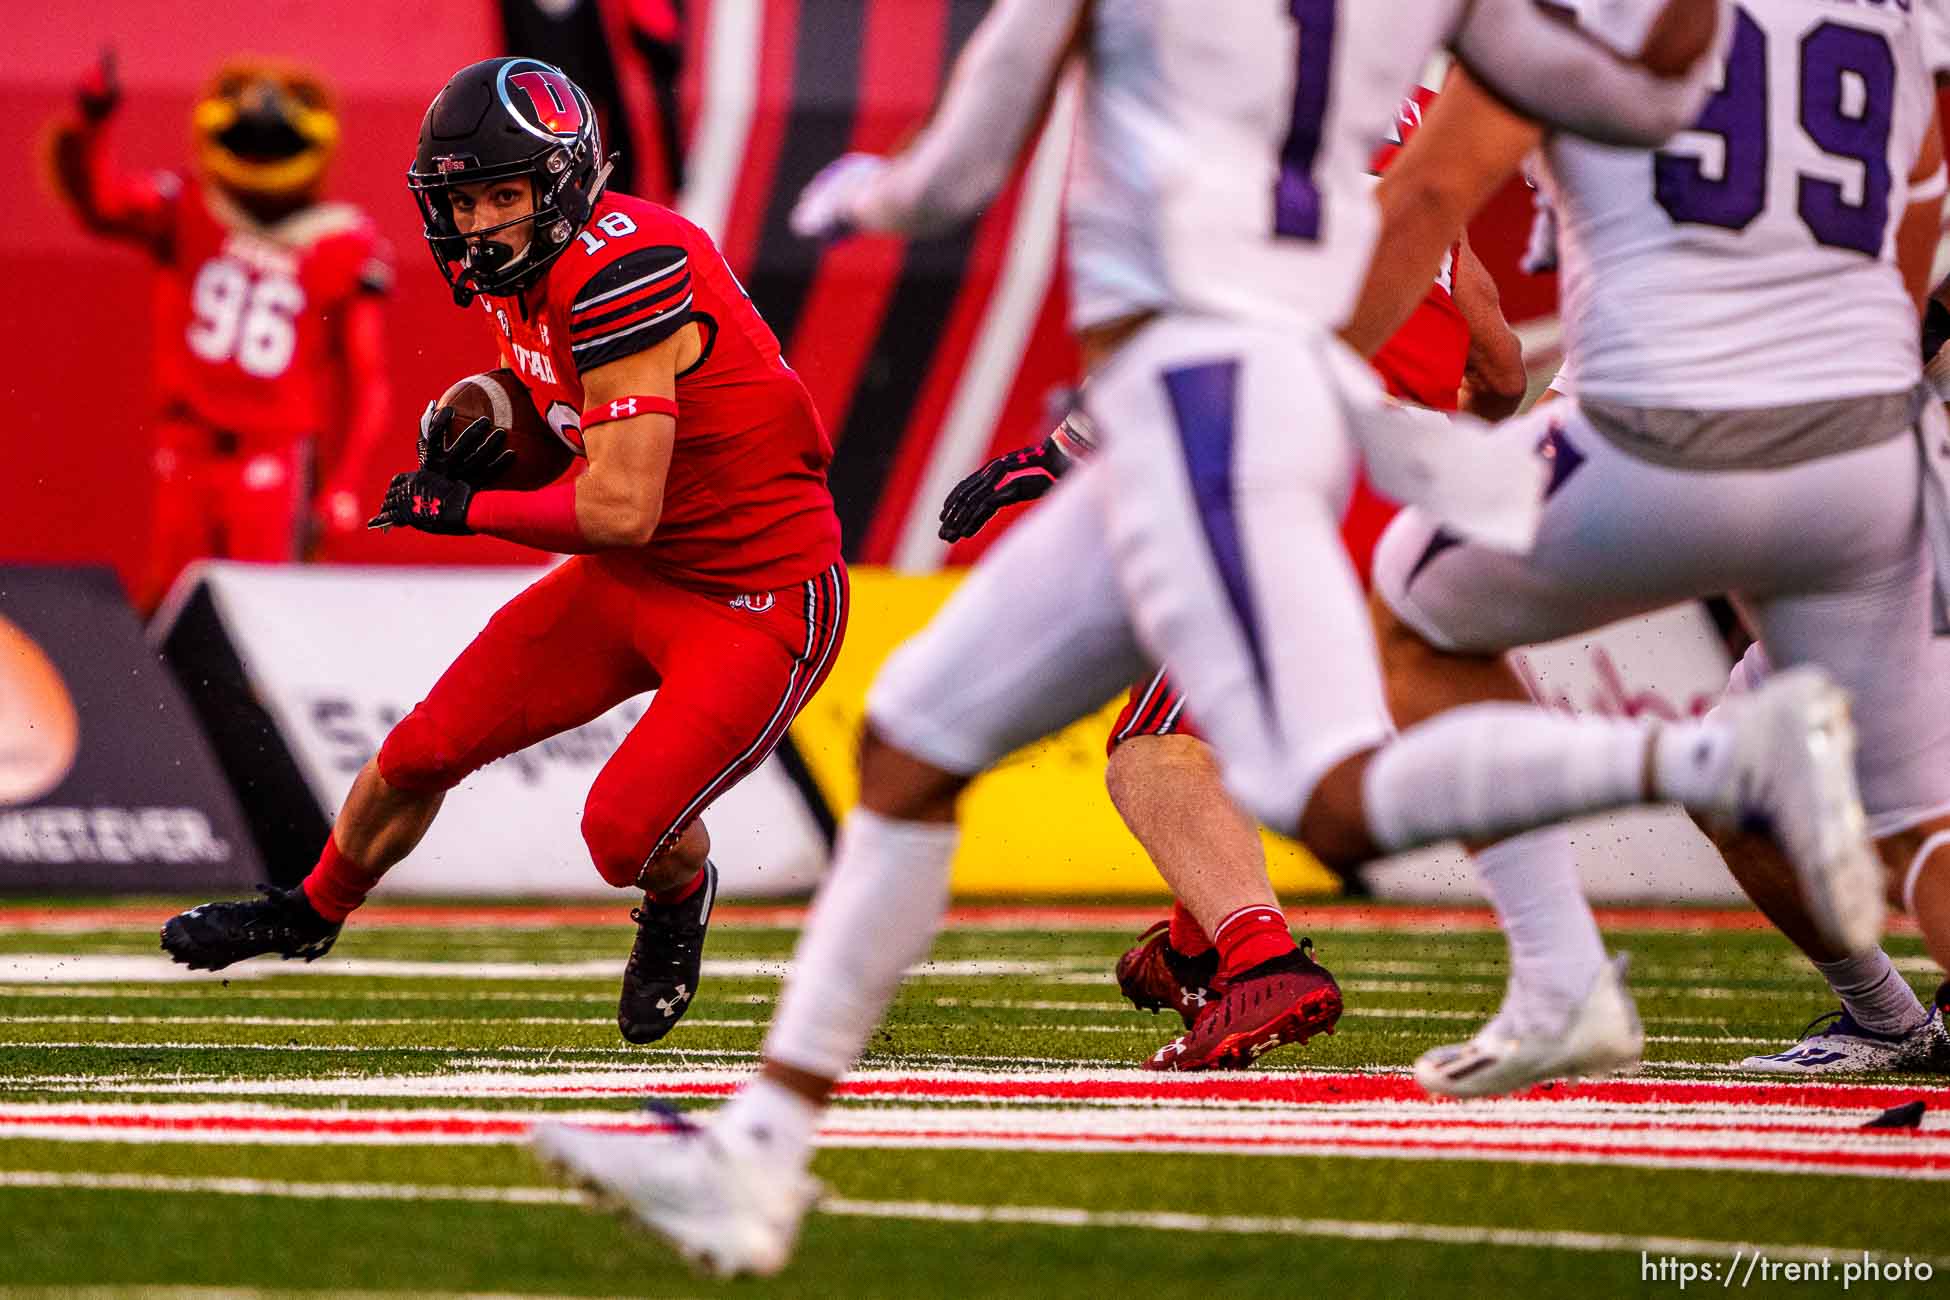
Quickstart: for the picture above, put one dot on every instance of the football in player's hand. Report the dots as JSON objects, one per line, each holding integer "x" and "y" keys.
{"x": 498, "y": 395}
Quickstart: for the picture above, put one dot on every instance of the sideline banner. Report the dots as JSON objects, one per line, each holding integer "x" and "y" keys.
{"x": 1041, "y": 822}
{"x": 299, "y": 673}
{"x": 105, "y": 782}
{"x": 1671, "y": 664}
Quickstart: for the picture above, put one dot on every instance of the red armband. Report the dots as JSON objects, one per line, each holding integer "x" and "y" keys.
{"x": 544, "y": 519}
{"x": 627, "y": 408}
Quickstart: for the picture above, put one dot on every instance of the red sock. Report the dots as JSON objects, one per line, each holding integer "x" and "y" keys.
{"x": 665, "y": 897}
{"x": 1187, "y": 936}
{"x": 1250, "y": 936}
{"x": 337, "y": 885}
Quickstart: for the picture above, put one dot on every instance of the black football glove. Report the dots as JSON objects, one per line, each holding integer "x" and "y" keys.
{"x": 426, "y": 500}
{"x": 100, "y": 91}
{"x": 476, "y": 456}
{"x": 1936, "y": 329}
{"x": 1007, "y": 480}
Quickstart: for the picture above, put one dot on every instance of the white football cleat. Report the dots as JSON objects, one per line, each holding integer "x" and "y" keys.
{"x": 1601, "y": 1035}
{"x": 723, "y": 1212}
{"x": 1844, "y": 1047}
{"x": 1794, "y": 769}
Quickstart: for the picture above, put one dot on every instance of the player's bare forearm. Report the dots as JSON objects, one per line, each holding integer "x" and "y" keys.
{"x": 619, "y": 502}
{"x": 1465, "y": 149}
{"x": 1494, "y": 380}
{"x": 1922, "y": 224}
{"x": 629, "y": 434}
{"x": 613, "y": 509}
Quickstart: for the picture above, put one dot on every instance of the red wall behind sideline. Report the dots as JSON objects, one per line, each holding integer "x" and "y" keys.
{"x": 74, "y": 319}
{"x": 74, "y": 314}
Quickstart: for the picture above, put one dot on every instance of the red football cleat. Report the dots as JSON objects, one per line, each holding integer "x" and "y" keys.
{"x": 1287, "y": 999}
{"x": 1156, "y": 976}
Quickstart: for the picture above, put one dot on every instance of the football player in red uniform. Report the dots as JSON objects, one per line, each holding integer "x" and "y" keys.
{"x": 705, "y": 550}
{"x": 267, "y": 307}
{"x": 1454, "y": 352}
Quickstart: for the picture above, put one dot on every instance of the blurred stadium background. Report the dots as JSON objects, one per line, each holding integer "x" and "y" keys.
{"x": 926, "y": 358}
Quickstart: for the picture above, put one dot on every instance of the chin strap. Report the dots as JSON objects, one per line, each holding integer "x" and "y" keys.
{"x": 467, "y": 284}
{"x": 601, "y": 182}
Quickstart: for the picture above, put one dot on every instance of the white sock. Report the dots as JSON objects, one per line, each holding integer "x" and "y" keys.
{"x": 1486, "y": 770}
{"x": 1690, "y": 763}
{"x": 769, "y": 1121}
{"x": 1874, "y": 992}
{"x": 876, "y": 915}
{"x": 1555, "y": 950}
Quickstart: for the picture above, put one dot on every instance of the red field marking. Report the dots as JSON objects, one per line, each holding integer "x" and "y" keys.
{"x": 1578, "y": 1152}
{"x": 1317, "y": 1089}
{"x": 1110, "y": 1087}
{"x": 1353, "y": 1089}
{"x": 328, "y": 1125}
{"x": 1598, "y": 1141}
{"x": 1115, "y": 917}
{"x": 314, "y": 1125}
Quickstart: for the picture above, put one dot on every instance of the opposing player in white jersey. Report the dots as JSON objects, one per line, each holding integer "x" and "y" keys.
{"x": 1221, "y": 223}
{"x": 1741, "y": 315}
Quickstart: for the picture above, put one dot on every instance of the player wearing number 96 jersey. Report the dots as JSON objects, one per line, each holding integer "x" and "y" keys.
{"x": 268, "y": 300}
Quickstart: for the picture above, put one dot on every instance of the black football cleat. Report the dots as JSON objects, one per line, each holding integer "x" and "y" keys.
{"x": 665, "y": 962}
{"x": 214, "y": 935}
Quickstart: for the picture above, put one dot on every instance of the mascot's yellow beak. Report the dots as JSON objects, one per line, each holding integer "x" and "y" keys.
{"x": 265, "y": 130}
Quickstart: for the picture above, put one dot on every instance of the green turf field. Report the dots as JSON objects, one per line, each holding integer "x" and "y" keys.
{"x": 356, "y": 1127}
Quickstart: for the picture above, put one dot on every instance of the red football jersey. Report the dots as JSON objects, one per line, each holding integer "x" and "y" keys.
{"x": 746, "y": 507}
{"x": 1423, "y": 361}
{"x": 244, "y": 335}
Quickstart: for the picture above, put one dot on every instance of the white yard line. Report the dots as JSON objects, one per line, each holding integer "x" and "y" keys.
{"x": 1344, "y": 1229}
{"x": 1134, "y": 1026}
{"x": 147, "y": 1292}
{"x": 1046, "y": 1216}
{"x": 181, "y": 1046}
{"x": 957, "y": 1080}
{"x": 1107, "y": 1006}
{"x": 463, "y": 1065}
{"x": 58, "y": 968}
{"x": 35, "y": 1179}
{"x": 350, "y": 1022}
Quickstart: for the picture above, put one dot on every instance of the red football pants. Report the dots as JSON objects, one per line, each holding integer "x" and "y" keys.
{"x": 243, "y": 505}
{"x": 730, "y": 674}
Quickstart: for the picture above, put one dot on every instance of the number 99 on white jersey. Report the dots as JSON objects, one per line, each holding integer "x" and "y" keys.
{"x": 1751, "y": 261}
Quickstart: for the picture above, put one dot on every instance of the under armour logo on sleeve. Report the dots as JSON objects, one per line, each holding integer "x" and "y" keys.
{"x": 628, "y": 408}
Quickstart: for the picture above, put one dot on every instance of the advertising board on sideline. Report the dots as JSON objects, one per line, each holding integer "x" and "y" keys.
{"x": 1040, "y": 822}
{"x": 105, "y": 781}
